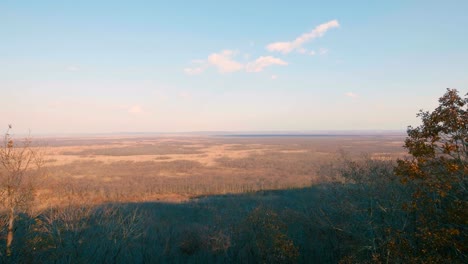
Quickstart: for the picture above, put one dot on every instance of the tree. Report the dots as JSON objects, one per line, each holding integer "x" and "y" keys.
{"x": 437, "y": 171}
{"x": 361, "y": 207}
{"x": 20, "y": 166}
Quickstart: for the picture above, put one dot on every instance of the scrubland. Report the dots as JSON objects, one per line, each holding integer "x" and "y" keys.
{"x": 324, "y": 199}
{"x": 175, "y": 169}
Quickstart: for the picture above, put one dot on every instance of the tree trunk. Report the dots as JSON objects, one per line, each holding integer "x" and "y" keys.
{"x": 11, "y": 222}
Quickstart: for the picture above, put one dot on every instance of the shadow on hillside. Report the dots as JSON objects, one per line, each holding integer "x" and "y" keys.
{"x": 280, "y": 226}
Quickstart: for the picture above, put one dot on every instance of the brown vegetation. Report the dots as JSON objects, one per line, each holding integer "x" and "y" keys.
{"x": 20, "y": 169}
{"x": 244, "y": 199}
{"x": 179, "y": 168}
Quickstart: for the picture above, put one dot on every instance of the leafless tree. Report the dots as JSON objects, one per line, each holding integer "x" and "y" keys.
{"x": 20, "y": 166}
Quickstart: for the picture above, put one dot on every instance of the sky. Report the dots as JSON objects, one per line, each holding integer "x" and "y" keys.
{"x": 180, "y": 66}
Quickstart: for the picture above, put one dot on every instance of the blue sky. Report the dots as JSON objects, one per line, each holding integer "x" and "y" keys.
{"x": 174, "y": 66}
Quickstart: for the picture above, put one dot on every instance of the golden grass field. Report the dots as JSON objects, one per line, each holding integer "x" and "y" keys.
{"x": 176, "y": 168}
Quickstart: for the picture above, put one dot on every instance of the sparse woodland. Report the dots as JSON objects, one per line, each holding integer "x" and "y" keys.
{"x": 280, "y": 205}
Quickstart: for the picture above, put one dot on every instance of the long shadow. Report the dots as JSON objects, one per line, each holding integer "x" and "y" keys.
{"x": 280, "y": 226}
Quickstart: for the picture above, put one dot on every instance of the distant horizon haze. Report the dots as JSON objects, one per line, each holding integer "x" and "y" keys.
{"x": 86, "y": 67}
{"x": 227, "y": 134}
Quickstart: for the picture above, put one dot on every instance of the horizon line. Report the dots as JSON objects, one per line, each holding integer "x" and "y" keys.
{"x": 232, "y": 133}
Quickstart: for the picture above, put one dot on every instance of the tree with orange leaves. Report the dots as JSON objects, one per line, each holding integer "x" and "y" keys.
{"x": 437, "y": 171}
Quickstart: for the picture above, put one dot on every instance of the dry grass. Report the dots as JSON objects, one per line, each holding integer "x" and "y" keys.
{"x": 98, "y": 170}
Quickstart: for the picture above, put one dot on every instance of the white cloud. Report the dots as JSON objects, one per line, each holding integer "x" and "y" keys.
{"x": 317, "y": 32}
{"x": 224, "y": 62}
{"x": 136, "y": 109}
{"x": 274, "y": 77}
{"x": 306, "y": 51}
{"x": 351, "y": 94}
{"x": 262, "y": 62}
{"x": 195, "y": 70}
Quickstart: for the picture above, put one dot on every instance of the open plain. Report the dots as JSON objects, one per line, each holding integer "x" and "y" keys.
{"x": 97, "y": 170}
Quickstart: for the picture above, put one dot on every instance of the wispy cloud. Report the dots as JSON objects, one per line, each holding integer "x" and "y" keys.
{"x": 194, "y": 70}
{"x": 351, "y": 94}
{"x": 262, "y": 62}
{"x": 198, "y": 67}
{"x": 296, "y": 45}
{"x": 225, "y": 63}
